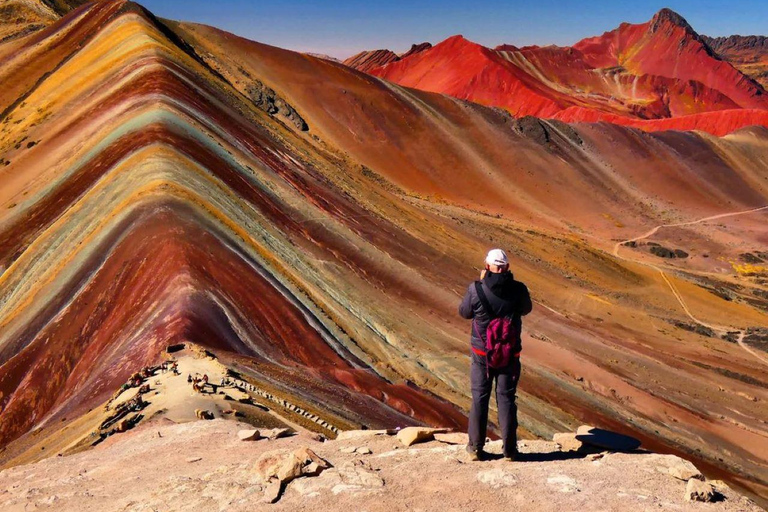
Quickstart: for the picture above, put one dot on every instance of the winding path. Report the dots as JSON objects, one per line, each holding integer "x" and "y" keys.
{"x": 676, "y": 293}
{"x": 705, "y": 219}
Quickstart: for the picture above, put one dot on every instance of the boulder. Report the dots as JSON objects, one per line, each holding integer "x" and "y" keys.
{"x": 413, "y": 435}
{"x": 606, "y": 439}
{"x": 268, "y": 464}
{"x": 697, "y": 490}
{"x": 568, "y": 442}
{"x": 452, "y": 438}
{"x": 249, "y": 435}
{"x": 312, "y": 463}
{"x": 720, "y": 486}
{"x": 680, "y": 468}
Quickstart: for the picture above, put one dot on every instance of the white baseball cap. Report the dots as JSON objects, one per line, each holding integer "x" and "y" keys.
{"x": 497, "y": 257}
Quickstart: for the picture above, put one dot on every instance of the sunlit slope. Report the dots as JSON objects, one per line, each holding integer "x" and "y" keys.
{"x": 153, "y": 197}
{"x": 149, "y": 197}
{"x": 633, "y": 75}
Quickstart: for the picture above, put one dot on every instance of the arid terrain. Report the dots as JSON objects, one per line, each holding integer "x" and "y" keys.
{"x": 204, "y": 466}
{"x": 168, "y": 188}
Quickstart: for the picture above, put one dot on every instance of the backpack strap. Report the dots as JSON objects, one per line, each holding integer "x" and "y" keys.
{"x": 484, "y": 299}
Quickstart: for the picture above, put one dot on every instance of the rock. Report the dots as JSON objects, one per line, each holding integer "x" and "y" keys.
{"x": 268, "y": 464}
{"x": 595, "y": 456}
{"x": 282, "y": 466}
{"x": 358, "y": 475}
{"x": 697, "y": 490}
{"x": 606, "y": 439}
{"x": 194, "y": 459}
{"x": 348, "y": 449}
{"x": 272, "y": 492}
{"x": 452, "y": 438}
{"x": 312, "y": 464}
{"x": 352, "y": 476}
{"x": 412, "y": 435}
{"x": 662, "y": 252}
{"x": 276, "y": 433}
{"x": 720, "y": 486}
{"x": 568, "y": 442}
{"x": 249, "y": 435}
{"x": 270, "y": 102}
{"x": 363, "y": 434}
{"x": 680, "y": 468}
{"x": 542, "y": 132}
{"x": 496, "y": 478}
{"x": 364, "y": 450}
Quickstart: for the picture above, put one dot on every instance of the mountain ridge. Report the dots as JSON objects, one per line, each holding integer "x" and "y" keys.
{"x": 661, "y": 69}
{"x": 155, "y": 193}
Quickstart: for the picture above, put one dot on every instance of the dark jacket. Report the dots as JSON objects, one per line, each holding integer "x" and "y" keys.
{"x": 506, "y": 297}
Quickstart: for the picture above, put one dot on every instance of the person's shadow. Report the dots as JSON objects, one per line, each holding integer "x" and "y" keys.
{"x": 540, "y": 457}
{"x": 550, "y": 457}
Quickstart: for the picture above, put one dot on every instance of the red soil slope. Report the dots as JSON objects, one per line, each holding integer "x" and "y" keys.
{"x": 661, "y": 69}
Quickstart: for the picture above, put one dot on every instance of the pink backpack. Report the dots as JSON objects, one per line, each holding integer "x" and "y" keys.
{"x": 500, "y": 337}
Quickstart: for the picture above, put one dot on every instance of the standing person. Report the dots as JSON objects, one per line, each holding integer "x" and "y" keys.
{"x": 496, "y": 296}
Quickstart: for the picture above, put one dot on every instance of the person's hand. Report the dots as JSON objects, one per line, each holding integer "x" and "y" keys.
{"x": 482, "y": 274}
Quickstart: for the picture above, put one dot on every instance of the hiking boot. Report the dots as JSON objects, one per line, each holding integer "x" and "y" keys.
{"x": 476, "y": 455}
{"x": 510, "y": 457}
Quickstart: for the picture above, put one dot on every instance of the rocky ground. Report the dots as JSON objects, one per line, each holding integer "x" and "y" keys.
{"x": 203, "y": 465}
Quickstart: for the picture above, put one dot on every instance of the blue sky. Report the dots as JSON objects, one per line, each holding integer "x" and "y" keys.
{"x": 342, "y": 28}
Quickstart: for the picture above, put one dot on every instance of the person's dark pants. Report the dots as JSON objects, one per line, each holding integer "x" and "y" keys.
{"x": 506, "y": 387}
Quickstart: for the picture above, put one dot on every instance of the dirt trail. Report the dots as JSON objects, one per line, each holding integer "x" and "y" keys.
{"x": 689, "y": 223}
{"x": 675, "y": 292}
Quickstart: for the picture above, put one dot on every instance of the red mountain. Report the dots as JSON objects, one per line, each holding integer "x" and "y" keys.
{"x": 657, "y": 70}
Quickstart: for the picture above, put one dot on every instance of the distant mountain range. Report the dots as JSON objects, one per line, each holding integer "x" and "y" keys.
{"x": 655, "y": 75}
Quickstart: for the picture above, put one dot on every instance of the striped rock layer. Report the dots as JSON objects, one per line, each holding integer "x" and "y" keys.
{"x": 157, "y": 190}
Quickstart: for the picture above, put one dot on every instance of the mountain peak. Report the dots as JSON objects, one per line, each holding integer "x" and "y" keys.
{"x": 668, "y": 16}
{"x": 417, "y": 48}
{"x": 370, "y": 59}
